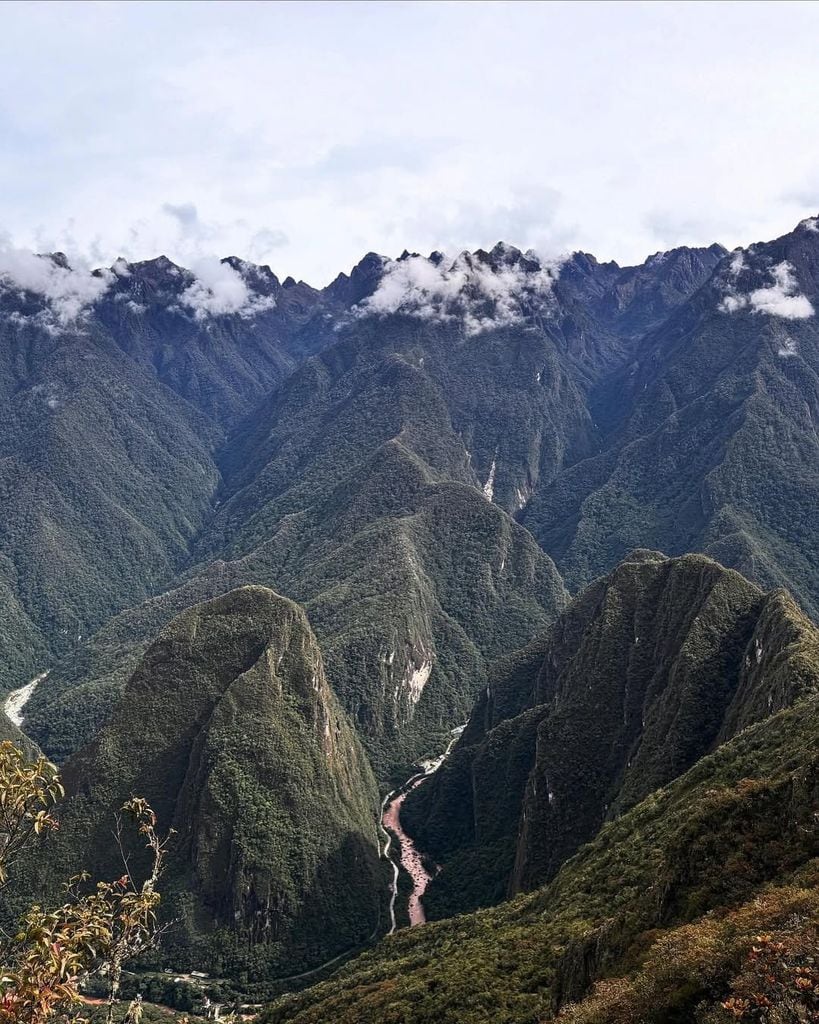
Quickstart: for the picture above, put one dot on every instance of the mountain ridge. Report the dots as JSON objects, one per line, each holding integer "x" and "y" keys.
{"x": 673, "y": 892}
{"x": 647, "y": 671}
{"x": 460, "y": 470}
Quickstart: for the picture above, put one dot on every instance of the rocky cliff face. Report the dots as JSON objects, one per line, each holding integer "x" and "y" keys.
{"x": 648, "y": 670}
{"x": 229, "y": 729}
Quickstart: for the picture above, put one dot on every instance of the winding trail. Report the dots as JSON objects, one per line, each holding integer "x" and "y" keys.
{"x": 16, "y": 701}
{"x": 411, "y": 859}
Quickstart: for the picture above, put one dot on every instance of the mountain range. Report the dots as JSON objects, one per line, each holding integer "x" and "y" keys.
{"x": 267, "y": 545}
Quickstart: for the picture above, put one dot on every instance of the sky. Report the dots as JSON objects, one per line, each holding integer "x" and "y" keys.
{"x": 304, "y": 135}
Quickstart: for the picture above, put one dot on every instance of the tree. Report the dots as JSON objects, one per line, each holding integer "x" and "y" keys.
{"x": 99, "y": 930}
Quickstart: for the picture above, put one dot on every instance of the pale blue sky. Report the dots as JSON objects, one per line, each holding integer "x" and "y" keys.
{"x": 304, "y": 135}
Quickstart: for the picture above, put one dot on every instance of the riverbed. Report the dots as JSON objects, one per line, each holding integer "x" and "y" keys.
{"x": 411, "y": 859}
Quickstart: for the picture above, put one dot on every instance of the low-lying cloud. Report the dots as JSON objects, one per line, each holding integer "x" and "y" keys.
{"x": 483, "y": 294}
{"x": 780, "y": 298}
{"x": 220, "y": 290}
{"x": 67, "y": 291}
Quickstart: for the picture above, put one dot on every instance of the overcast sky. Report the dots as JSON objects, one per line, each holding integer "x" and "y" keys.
{"x": 305, "y": 135}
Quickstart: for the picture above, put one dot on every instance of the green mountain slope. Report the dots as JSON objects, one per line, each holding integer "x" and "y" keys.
{"x": 229, "y": 729}
{"x": 115, "y": 390}
{"x": 675, "y": 891}
{"x": 393, "y": 405}
{"x": 412, "y": 587}
{"x": 711, "y": 440}
{"x": 647, "y": 671}
{"x": 105, "y": 477}
{"x": 221, "y": 357}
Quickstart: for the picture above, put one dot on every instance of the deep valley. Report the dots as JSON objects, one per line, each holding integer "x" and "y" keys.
{"x": 261, "y": 558}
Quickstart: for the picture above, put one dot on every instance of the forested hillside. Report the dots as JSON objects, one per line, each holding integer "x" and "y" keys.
{"x": 666, "y": 904}
{"x": 229, "y": 729}
{"x": 646, "y": 672}
{"x": 264, "y": 546}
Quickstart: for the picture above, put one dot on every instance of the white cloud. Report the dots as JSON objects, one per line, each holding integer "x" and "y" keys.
{"x": 68, "y": 291}
{"x": 732, "y": 303}
{"x": 218, "y": 290}
{"x": 483, "y": 295}
{"x": 186, "y": 215}
{"x": 737, "y": 264}
{"x": 787, "y": 348}
{"x": 620, "y": 172}
{"x": 780, "y": 298}
{"x": 810, "y": 223}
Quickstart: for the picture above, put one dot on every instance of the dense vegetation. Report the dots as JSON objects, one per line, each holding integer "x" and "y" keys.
{"x": 709, "y": 441}
{"x": 640, "y": 763}
{"x": 702, "y": 866}
{"x": 332, "y": 479}
{"x": 648, "y": 670}
{"x": 229, "y": 727}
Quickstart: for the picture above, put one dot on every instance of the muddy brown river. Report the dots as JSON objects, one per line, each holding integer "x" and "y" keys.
{"x": 411, "y": 860}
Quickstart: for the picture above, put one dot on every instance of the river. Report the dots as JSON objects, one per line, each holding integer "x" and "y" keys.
{"x": 411, "y": 859}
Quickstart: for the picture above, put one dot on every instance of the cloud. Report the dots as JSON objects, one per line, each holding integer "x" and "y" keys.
{"x": 197, "y": 126}
{"x": 120, "y": 267}
{"x": 186, "y": 216}
{"x": 810, "y": 223}
{"x": 484, "y": 294}
{"x": 264, "y": 240}
{"x": 218, "y": 290}
{"x": 68, "y": 291}
{"x": 780, "y": 298}
{"x": 737, "y": 264}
